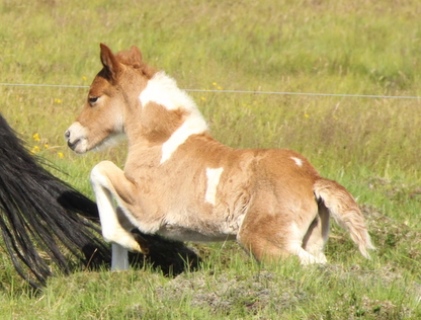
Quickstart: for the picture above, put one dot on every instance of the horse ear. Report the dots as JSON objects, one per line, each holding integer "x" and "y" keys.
{"x": 108, "y": 60}
{"x": 136, "y": 55}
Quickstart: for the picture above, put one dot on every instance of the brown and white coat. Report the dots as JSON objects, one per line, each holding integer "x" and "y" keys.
{"x": 181, "y": 183}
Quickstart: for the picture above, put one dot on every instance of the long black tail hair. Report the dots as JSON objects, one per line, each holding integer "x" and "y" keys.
{"x": 41, "y": 213}
{"x": 45, "y": 221}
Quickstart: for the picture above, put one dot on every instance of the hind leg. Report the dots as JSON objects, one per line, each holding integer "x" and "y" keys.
{"x": 273, "y": 237}
{"x": 316, "y": 237}
{"x": 318, "y": 233}
{"x": 253, "y": 237}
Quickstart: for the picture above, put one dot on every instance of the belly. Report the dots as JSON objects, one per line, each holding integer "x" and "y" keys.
{"x": 187, "y": 234}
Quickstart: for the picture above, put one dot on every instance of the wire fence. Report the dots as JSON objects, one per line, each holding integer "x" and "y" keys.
{"x": 256, "y": 92}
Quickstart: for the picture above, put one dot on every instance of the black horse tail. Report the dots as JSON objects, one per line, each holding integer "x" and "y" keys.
{"x": 41, "y": 213}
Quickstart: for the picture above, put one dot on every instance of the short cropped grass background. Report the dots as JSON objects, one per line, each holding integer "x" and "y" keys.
{"x": 370, "y": 145}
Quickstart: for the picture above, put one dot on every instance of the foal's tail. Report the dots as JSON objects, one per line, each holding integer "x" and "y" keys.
{"x": 345, "y": 211}
{"x": 41, "y": 213}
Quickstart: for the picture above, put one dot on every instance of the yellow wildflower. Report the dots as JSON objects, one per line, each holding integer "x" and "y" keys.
{"x": 36, "y": 137}
{"x": 60, "y": 155}
{"x": 35, "y": 149}
{"x": 58, "y": 101}
{"x": 217, "y": 86}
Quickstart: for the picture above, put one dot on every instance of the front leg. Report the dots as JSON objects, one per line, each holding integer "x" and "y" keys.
{"x": 110, "y": 184}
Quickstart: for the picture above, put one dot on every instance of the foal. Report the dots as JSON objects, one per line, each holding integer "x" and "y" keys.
{"x": 181, "y": 183}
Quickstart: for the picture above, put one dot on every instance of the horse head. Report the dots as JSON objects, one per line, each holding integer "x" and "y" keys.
{"x": 113, "y": 92}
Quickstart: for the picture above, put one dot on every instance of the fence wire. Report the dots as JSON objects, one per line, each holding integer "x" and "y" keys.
{"x": 255, "y": 92}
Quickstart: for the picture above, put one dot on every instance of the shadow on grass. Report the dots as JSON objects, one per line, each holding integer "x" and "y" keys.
{"x": 168, "y": 256}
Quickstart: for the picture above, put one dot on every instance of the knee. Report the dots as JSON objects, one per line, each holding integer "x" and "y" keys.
{"x": 108, "y": 235}
{"x": 98, "y": 171}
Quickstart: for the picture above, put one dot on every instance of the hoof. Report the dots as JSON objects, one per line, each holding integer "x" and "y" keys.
{"x": 142, "y": 242}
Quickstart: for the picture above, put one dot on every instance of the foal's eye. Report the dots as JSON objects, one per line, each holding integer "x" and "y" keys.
{"x": 92, "y": 100}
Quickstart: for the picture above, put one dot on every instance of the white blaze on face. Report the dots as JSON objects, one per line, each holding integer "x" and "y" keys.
{"x": 163, "y": 90}
{"x": 297, "y": 161}
{"x": 213, "y": 176}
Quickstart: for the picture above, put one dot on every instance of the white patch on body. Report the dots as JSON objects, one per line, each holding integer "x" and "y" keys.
{"x": 194, "y": 124}
{"x": 163, "y": 90}
{"x": 297, "y": 161}
{"x": 213, "y": 176}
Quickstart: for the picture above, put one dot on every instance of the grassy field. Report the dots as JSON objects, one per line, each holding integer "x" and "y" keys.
{"x": 370, "y": 145}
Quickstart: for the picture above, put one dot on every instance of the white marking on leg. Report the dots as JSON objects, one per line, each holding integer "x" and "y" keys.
{"x": 112, "y": 231}
{"x": 297, "y": 161}
{"x": 107, "y": 214}
{"x": 307, "y": 258}
{"x": 295, "y": 247}
{"x": 321, "y": 258}
{"x": 163, "y": 90}
{"x": 213, "y": 176}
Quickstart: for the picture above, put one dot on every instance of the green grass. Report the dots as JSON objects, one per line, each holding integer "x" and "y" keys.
{"x": 371, "y": 146}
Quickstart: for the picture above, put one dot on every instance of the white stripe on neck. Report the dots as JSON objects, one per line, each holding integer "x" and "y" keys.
{"x": 163, "y": 90}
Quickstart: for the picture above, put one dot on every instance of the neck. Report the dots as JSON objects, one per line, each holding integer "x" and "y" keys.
{"x": 166, "y": 116}
{"x": 194, "y": 124}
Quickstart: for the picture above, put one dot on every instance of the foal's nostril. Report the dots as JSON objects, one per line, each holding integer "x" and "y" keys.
{"x": 73, "y": 144}
{"x": 67, "y": 134}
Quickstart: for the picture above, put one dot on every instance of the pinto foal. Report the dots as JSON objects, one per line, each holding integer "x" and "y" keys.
{"x": 181, "y": 183}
